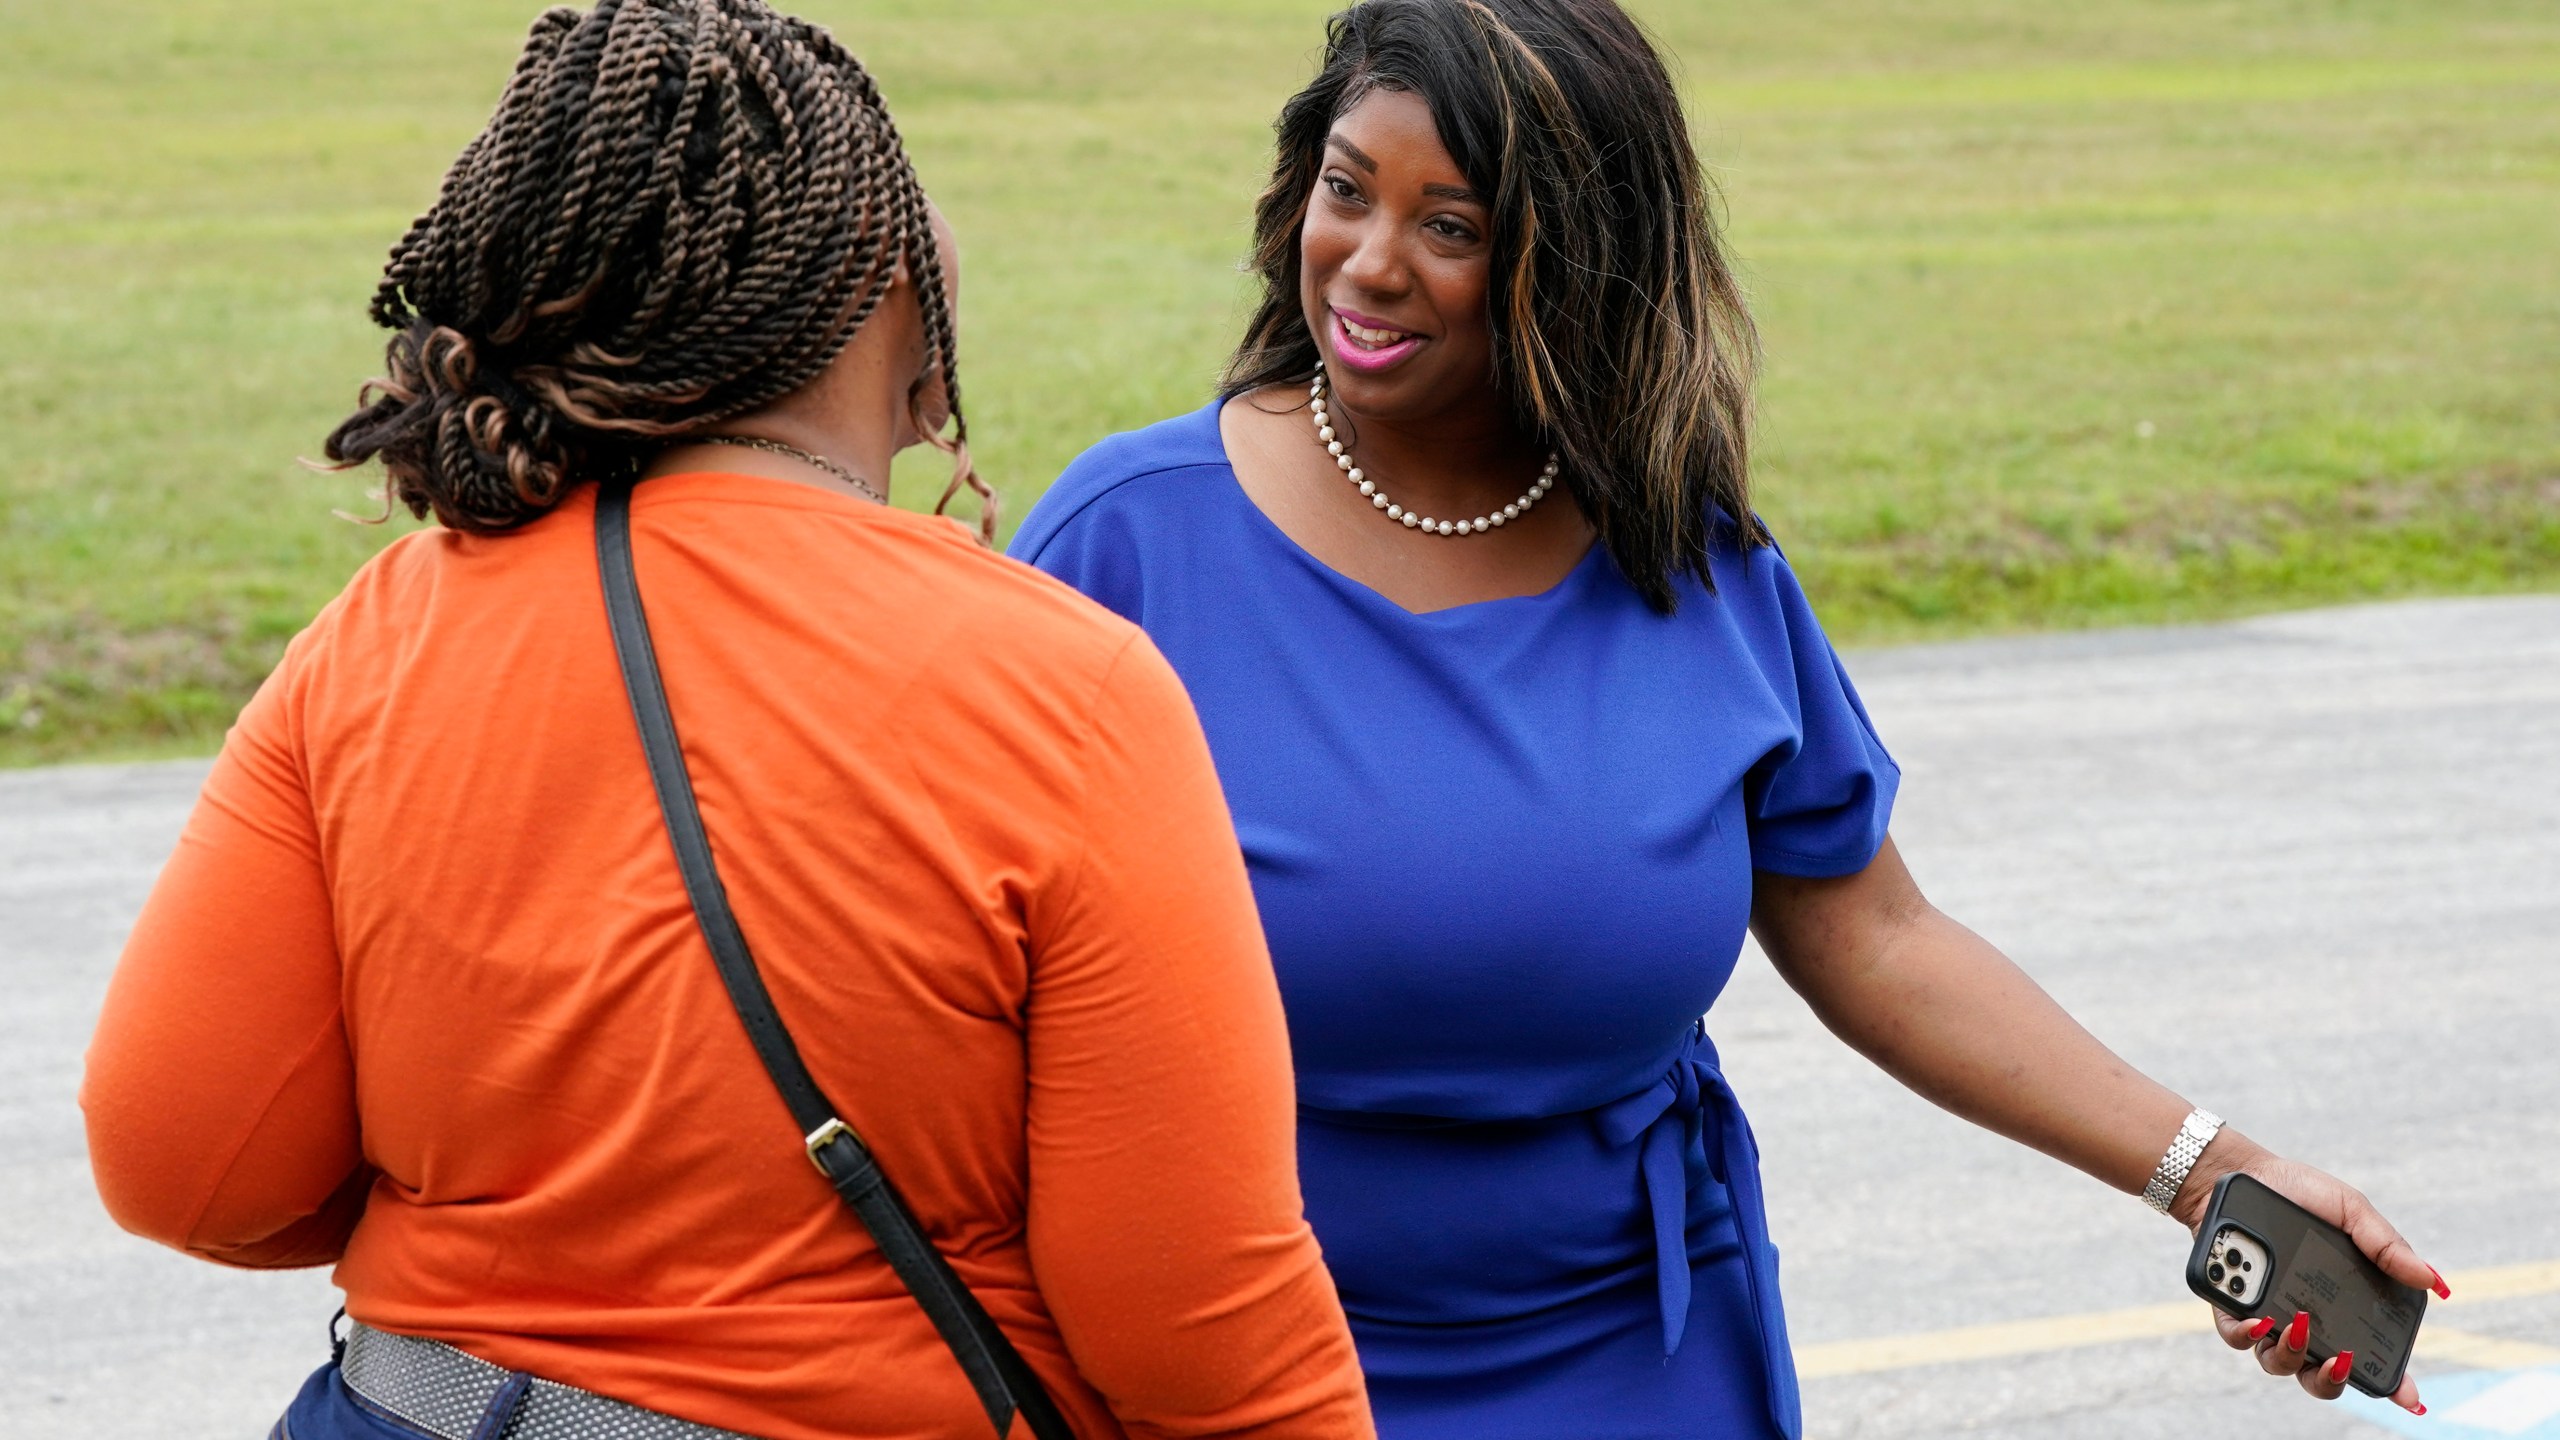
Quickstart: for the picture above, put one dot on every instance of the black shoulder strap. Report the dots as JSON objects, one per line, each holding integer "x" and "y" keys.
{"x": 1005, "y": 1385}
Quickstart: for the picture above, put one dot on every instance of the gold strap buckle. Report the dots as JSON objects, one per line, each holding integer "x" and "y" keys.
{"x": 824, "y": 1136}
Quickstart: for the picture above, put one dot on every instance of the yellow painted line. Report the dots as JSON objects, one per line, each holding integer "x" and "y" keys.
{"x": 2506, "y": 1282}
{"x": 2482, "y": 1352}
{"x": 1990, "y": 1342}
{"x": 2184, "y": 1317}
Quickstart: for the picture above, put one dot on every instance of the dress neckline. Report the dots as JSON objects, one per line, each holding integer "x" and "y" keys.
{"x": 1360, "y": 592}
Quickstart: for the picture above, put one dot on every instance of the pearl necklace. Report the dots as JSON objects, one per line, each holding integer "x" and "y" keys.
{"x": 1415, "y": 520}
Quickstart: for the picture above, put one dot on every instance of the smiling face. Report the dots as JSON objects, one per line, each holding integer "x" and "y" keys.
{"x": 1395, "y": 257}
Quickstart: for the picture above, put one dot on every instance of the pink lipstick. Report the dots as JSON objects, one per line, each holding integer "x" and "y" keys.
{"x": 1354, "y": 353}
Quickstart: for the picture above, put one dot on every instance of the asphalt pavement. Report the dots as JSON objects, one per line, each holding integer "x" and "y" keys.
{"x": 2305, "y": 869}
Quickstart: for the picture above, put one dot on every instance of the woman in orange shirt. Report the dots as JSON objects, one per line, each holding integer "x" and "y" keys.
{"x": 422, "y": 993}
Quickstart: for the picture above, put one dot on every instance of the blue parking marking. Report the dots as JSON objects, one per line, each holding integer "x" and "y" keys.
{"x": 2474, "y": 1405}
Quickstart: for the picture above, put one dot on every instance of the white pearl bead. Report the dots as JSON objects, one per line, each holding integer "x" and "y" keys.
{"x": 1415, "y": 519}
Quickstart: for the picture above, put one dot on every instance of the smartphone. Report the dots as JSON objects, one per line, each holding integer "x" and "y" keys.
{"x": 2260, "y": 1255}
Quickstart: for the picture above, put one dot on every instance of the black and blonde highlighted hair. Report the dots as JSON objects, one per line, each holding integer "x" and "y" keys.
{"x": 681, "y": 211}
{"x": 1620, "y": 336}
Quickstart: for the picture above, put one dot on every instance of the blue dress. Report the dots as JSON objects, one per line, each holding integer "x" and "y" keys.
{"x": 1503, "y": 854}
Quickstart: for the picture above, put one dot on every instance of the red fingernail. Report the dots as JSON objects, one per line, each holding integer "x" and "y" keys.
{"x": 2417, "y": 1409}
{"x": 2443, "y": 1291}
{"x": 2298, "y": 1334}
{"x": 2345, "y": 1363}
{"x": 2258, "y": 1328}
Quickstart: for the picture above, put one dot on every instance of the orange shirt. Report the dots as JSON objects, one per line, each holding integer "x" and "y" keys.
{"x": 420, "y": 992}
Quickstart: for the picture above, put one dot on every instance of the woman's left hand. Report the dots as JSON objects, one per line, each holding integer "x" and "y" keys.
{"x": 2282, "y": 1348}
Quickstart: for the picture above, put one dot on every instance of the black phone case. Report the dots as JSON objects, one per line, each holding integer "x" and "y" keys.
{"x": 2353, "y": 1305}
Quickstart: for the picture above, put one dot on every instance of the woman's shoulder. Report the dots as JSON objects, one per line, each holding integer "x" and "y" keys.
{"x": 921, "y": 579}
{"x": 1116, "y": 475}
{"x": 1025, "y": 624}
{"x": 1751, "y": 596}
{"x": 1748, "y": 566}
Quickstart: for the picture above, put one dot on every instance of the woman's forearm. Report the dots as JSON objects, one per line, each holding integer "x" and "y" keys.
{"x": 1943, "y": 1011}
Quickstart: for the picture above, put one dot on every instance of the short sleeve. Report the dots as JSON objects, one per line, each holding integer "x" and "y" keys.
{"x": 1818, "y": 805}
{"x": 1092, "y": 554}
{"x": 1085, "y": 532}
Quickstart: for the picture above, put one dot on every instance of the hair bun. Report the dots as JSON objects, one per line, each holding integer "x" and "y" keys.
{"x": 458, "y": 436}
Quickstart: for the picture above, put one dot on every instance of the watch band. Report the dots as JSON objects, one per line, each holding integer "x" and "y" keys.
{"x": 2194, "y": 1134}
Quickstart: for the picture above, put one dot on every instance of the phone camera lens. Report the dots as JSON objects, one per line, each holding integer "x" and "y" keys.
{"x": 2213, "y": 1273}
{"x": 2238, "y": 1286}
{"x": 2244, "y": 1264}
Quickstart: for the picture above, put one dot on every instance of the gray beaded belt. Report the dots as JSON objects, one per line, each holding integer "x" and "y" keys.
{"x": 451, "y": 1395}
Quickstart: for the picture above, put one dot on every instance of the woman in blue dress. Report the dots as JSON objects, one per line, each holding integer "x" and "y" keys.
{"x": 1524, "y": 719}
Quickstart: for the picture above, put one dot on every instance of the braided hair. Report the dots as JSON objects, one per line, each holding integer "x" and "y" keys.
{"x": 681, "y": 211}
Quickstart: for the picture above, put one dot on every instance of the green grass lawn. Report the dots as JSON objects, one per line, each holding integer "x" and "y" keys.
{"x": 2076, "y": 315}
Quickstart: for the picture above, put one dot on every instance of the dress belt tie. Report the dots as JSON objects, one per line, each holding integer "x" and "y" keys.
{"x": 1693, "y": 1106}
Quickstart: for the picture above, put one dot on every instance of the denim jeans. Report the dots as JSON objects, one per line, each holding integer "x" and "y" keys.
{"x": 327, "y": 1410}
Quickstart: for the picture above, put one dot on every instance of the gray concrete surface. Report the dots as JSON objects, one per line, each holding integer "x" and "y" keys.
{"x": 2306, "y": 869}
{"x": 107, "y": 1336}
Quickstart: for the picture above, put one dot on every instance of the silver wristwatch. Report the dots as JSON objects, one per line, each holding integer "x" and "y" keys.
{"x": 2198, "y": 1132}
